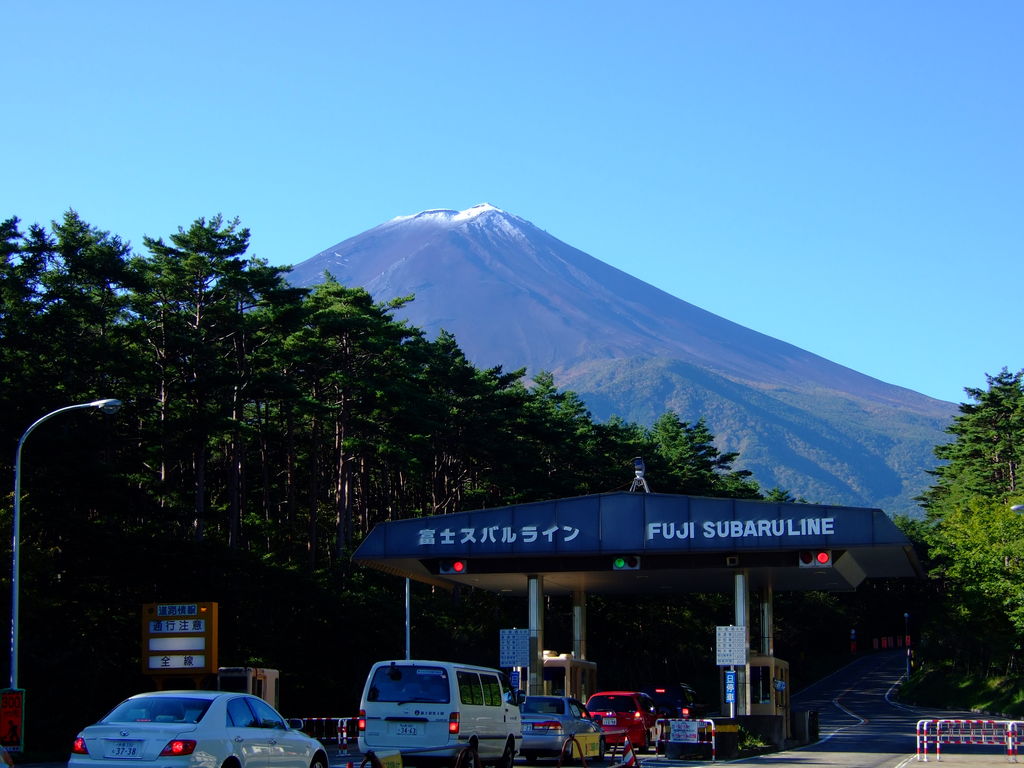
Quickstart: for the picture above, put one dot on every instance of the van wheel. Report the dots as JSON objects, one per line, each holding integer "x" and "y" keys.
{"x": 467, "y": 758}
{"x": 508, "y": 756}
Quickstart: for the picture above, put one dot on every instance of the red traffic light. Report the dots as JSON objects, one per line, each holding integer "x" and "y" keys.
{"x": 816, "y": 558}
{"x": 453, "y": 566}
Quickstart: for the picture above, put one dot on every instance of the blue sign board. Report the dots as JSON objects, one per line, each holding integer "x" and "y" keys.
{"x": 730, "y": 687}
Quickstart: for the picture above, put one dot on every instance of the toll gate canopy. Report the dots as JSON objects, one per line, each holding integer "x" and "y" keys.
{"x": 631, "y": 543}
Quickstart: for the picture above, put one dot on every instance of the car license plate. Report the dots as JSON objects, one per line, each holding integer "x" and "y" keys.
{"x": 608, "y": 720}
{"x": 124, "y": 749}
{"x": 405, "y": 729}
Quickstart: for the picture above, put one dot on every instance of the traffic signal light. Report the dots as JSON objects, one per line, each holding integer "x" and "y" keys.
{"x": 816, "y": 558}
{"x": 626, "y": 563}
{"x": 455, "y": 567}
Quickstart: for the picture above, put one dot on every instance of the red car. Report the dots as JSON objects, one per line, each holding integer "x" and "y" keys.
{"x": 626, "y": 714}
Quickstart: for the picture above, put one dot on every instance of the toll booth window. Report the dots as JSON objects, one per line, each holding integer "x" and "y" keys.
{"x": 409, "y": 683}
{"x": 554, "y": 680}
{"x": 469, "y": 688}
{"x": 233, "y": 683}
{"x": 492, "y": 690}
{"x": 761, "y": 684}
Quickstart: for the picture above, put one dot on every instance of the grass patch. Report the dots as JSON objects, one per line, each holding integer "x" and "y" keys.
{"x": 939, "y": 685}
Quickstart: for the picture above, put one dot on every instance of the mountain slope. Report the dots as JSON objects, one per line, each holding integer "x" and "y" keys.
{"x": 514, "y": 295}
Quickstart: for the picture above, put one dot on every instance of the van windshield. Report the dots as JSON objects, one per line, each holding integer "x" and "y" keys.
{"x": 409, "y": 682}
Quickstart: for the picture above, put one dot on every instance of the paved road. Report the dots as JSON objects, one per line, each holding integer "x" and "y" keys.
{"x": 862, "y": 727}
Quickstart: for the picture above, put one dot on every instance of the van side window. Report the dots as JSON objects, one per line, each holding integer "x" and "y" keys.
{"x": 492, "y": 690}
{"x": 469, "y": 688}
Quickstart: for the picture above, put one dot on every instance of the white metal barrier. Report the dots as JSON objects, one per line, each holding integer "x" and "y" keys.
{"x": 939, "y": 731}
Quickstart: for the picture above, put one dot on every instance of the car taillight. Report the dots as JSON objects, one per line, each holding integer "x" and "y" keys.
{"x": 177, "y": 747}
{"x": 453, "y": 722}
{"x": 685, "y": 712}
{"x": 638, "y": 715}
{"x": 548, "y": 725}
{"x": 79, "y": 748}
{"x": 361, "y": 723}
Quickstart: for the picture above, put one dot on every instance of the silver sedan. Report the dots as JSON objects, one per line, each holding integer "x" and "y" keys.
{"x": 550, "y": 722}
{"x": 195, "y": 729}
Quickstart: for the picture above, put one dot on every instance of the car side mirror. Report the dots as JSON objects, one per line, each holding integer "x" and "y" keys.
{"x": 599, "y": 719}
{"x": 296, "y": 723}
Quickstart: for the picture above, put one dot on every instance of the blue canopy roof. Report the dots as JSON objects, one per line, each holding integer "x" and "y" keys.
{"x": 678, "y": 543}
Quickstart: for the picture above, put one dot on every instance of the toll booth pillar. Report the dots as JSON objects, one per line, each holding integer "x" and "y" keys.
{"x": 579, "y": 624}
{"x": 535, "y": 608}
{"x": 741, "y": 613}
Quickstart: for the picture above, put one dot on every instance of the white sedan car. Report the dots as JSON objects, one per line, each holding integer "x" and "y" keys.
{"x": 195, "y": 729}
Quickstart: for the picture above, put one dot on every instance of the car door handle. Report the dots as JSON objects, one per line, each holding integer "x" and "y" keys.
{"x": 239, "y": 739}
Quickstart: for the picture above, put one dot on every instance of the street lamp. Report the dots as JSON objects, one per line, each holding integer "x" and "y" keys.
{"x": 107, "y": 406}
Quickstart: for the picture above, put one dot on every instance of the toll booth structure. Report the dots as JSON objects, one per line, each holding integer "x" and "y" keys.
{"x": 769, "y": 689}
{"x": 259, "y": 681}
{"x": 637, "y": 542}
{"x": 565, "y": 675}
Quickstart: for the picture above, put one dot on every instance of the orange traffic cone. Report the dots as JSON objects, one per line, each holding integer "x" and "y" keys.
{"x": 628, "y": 758}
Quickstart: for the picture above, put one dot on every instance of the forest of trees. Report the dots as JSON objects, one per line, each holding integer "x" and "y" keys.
{"x": 265, "y": 429}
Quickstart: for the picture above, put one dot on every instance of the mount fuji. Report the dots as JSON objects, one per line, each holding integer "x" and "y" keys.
{"x": 514, "y": 295}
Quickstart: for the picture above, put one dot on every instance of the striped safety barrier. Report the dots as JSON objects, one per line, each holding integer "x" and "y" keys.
{"x": 338, "y": 730}
{"x": 939, "y": 731}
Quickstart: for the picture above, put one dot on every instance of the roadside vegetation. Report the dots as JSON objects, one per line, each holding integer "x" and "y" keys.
{"x": 938, "y": 684}
{"x": 266, "y": 429}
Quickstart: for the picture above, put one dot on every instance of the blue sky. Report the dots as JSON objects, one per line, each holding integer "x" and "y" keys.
{"x": 847, "y": 177}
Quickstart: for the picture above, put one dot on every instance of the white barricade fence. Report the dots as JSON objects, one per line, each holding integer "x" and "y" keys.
{"x": 939, "y": 731}
{"x": 696, "y": 731}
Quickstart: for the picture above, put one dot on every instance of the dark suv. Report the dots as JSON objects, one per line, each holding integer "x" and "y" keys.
{"x": 676, "y": 700}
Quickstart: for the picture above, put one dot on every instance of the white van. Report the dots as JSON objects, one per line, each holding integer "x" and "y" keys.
{"x": 430, "y": 710}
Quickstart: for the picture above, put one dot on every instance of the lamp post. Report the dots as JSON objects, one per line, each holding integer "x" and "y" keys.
{"x": 106, "y": 406}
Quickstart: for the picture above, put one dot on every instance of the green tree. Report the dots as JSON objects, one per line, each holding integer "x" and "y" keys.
{"x": 349, "y": 360}
{"x": 693, "y": 465}
{"x": 987, "y": 451}
{"x": 975, "y": 553}
{"x": 198, "y": 311}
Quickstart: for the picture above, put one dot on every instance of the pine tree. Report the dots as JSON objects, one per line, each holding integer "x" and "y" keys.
{"x": 987, "y": 451}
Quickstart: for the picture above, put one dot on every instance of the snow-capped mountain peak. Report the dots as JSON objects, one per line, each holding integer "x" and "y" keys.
{"x": 448, "y": 216}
